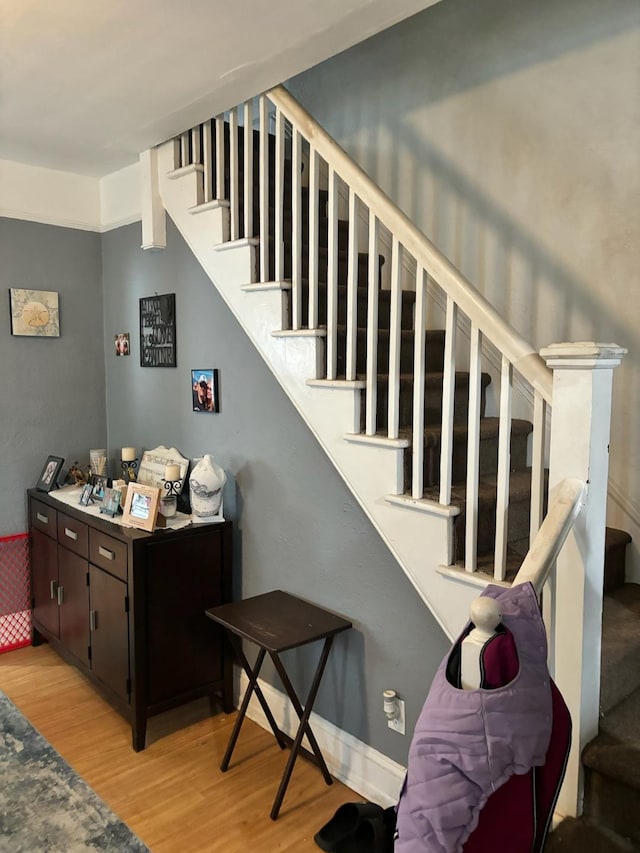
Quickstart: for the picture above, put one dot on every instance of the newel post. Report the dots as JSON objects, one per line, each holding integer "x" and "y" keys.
{"x": 154, "y": 229}
{"x": 580, "y": 426}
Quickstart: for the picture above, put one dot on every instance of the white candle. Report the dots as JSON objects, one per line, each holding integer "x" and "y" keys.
{"x": 128, "y": 454}
{"x": 172, "y": 472}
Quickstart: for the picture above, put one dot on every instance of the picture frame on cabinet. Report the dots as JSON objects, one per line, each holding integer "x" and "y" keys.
{"x": 99, "y": 483}
{"x": 110, "y": 502}
{"x": 204, "y": 390}
{"x": 141, "y": 506}
{"x": 86, "y": 498}
{"x": 48, "y": 478}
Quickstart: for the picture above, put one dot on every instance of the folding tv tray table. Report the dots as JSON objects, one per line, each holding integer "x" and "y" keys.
{"x": 277, "y": 621}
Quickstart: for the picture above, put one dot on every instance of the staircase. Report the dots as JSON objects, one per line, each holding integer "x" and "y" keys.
{"x": 610, "y": 821}
{"x": 434, "y": 411}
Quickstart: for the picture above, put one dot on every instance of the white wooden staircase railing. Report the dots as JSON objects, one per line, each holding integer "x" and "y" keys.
{"x": 388, "y": 353}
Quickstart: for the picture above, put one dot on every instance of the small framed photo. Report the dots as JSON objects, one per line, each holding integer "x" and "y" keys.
{"x": 48, "y": 478}
{"x": 99, "y": 483}
{"x": 204, "y": 390}
{"x": 121, "y": 343}
{"x": 86, "y": 498}
{"x": 141, "y": 506}
{"x": 110, "y": 502}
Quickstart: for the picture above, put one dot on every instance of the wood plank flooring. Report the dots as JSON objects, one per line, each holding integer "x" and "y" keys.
{"x": 173, "y": 795}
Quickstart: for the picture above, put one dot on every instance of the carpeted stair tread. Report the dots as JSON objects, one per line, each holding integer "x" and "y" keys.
{"x": 581, "y": 836}
{"x": 620, "y": 645}
{"x": 489, "y": 429}
{"x": 485, "y": 565}
{"x": 519, "y": 490}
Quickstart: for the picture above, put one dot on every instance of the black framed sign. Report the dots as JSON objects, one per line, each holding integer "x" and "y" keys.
{"x": 158, "y": 331}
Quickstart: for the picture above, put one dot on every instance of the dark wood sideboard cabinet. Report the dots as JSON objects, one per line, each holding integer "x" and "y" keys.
{"x": 128, "y": 607}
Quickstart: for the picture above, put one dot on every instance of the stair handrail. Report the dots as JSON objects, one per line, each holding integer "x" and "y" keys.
{"x": 509, "y": 342}
{"x": 565, "y": 503}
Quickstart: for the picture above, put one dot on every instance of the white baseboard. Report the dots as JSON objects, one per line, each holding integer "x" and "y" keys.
{"x": 362, "y": 768}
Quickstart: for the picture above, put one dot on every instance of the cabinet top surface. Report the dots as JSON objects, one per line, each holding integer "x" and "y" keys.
{"x": 126, "y": 534}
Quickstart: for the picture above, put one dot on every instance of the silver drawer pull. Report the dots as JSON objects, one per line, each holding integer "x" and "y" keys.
{"x": 43, "y": 518}
{"x": 60, "y": 595}
{"x": 92, "y": 620}
{"x": 70, "y": 533}
{"x": 106, "y": 553}
{"x": 52, "y": 588}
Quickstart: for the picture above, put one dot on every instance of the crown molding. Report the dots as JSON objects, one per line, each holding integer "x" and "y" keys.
{"x": 68, "y": 200}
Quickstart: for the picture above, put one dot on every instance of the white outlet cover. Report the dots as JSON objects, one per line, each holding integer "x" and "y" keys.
{"x": 398, "y": 724}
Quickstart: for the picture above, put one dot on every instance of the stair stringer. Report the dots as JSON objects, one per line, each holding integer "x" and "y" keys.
{"x": 420, "y": 542}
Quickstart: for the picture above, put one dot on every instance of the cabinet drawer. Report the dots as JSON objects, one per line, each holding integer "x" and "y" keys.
{"x": 43, "y": 517}
{"x": 73, "y": 534}
{"x": 108, "y": 553}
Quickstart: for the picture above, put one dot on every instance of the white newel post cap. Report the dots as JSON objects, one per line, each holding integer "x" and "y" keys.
{"x": 581, "y": 355}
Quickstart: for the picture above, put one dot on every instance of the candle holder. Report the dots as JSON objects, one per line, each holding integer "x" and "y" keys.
{"x": 169, "y": 502}
{"x": 129, "y": 467}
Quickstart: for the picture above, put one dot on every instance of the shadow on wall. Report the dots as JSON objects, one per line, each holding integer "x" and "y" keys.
{"x": 422, "y": 84}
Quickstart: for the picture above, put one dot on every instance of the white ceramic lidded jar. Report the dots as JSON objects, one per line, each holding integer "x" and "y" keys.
{"x": 206, "y": 482}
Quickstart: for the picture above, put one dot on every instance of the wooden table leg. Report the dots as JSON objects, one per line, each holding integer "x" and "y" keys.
{"x": 304, "y": 727}
{"x": 252, "y": 687}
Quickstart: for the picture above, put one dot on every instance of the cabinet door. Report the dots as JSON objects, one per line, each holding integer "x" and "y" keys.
{"x": 183, "y": 578}
{"x": 44, "y": 580}
{"x": 73, "y": 597}
{"x": 109, "y": 631}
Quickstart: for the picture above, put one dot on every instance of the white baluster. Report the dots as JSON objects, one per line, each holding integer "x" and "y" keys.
{"x": 195, "y": 145}
{"x": 537, "y": 463}
{"x": 393, "y": 421}
{"x": 248, "y": 169}
{"x": 207, "y": 159}
{"x": 473, "y": 451}
{"x": 448, "y": 399}
{"x": 296, "y": 225}
{"x": 234, "y": 174}
{"x": 220, "y": 193}
{"x": 332, "y": 277}
{"x": 264, "y": 188}
{"x": 279, "y": 200}
{"x": 313, "y": 238}
{"x": 504, "y": 468}
{"x": 373, "y": 285}
{"x": 420, "y": 322}
{"x": 352, "y": 285}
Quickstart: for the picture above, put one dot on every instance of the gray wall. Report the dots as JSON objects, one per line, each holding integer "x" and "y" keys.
{"x": 296, "y": 525}
{"x": 509, "y": 132}
{"x": 51, "y": 389}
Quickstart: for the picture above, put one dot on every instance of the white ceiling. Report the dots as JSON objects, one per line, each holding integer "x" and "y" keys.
{"x": 85, "y": 85}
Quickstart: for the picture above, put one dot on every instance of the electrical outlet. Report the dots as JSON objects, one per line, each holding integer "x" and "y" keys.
{"x": 398, "y": 724}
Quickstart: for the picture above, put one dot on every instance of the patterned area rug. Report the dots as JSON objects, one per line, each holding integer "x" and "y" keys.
{"x": 45, "y": 807}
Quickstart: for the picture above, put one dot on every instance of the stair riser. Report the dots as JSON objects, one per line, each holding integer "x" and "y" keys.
{"x": 433, "y": 403}
{"x": 362, "y": 296}
{"x": 517, "y": 527}
{"x": 434, "y": 353}
{"x": 323, "y": 267}
{"x": 612, "y": 804}
{"x": 488, "y": 460}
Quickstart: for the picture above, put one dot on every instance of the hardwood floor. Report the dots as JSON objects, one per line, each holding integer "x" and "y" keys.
{"x": 173, "y": 795}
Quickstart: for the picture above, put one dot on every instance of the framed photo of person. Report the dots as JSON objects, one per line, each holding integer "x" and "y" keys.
{"x": 110, "y": 502}
{"x": 86, "y": 498}
{"x": 48, "y": 478}
{"x": 99, "y": 483}
{"x": 141, "y": 506}
{"x": 204, "y": 390}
